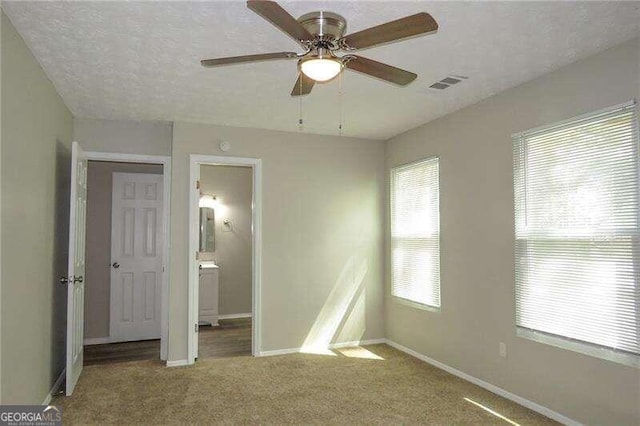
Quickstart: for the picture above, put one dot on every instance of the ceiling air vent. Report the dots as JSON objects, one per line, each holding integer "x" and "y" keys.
{"x": 448, "y": 82}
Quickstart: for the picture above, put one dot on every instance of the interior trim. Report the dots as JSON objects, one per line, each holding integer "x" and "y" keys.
{"x": 97, "y": 341}
{"x": 234, "y": 316}
{"x": 57, "y": 385}
{"x": 178, "y": 363}
{"x": 165, "y": 161}
{"x": 195, "y": 161}
{"x": 585, "y": 348}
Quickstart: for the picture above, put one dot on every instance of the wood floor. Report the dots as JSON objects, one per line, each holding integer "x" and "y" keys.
{"x": 122, "y": 352}
{"x": 231, "y": 338}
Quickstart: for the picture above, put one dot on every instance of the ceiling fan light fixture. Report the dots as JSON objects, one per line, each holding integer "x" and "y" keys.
{"x": 322, "y": 34}
{"x": 321, "y": 69}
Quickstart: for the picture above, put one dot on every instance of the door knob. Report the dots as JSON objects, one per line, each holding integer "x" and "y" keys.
{"x": 115, "y": 265}
{"x": 78, "y": 279}
{"x": 64, "y": 280}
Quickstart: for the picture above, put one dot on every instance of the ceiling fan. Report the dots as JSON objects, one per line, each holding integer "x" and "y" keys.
{"x": 322, "y": 35}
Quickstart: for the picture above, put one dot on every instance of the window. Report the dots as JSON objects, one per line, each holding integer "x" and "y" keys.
{"x": 576, "y": 212}
{"x": 415, "y": 232}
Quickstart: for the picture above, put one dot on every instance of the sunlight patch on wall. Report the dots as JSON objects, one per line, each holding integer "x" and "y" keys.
{"x": 355, "y": 324}
{"x": 336, "y": 306}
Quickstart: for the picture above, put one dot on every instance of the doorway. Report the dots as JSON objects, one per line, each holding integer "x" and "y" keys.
{"x": 224, "y": 255}
{"x": 126, "y": 258}
{"x": 224, "y": 270}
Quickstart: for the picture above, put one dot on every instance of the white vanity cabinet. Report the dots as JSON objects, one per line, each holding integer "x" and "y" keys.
{"x": 208, "y": 293}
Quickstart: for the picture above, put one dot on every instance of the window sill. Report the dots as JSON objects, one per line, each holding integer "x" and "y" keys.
{"x": 583, "y": 348}
{"x": 413, "y": 304}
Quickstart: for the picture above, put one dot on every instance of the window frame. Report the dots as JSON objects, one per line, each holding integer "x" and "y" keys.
{"x": 559, "y": 341}
{"x": 399, "y": 299}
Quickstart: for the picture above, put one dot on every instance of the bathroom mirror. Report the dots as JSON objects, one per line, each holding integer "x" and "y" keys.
{"x": 207, "y": 230}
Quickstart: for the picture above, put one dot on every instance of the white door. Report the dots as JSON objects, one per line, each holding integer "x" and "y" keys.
{"x": 136, "y": 256}
{"x": 75, "y": 272}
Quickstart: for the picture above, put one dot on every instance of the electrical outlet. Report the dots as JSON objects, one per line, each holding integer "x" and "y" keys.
{"x": 503, "y": 349}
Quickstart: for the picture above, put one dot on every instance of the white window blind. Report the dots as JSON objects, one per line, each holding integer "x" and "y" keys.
{"x": 415, "y": 232}
{"x": 576, "y": 211}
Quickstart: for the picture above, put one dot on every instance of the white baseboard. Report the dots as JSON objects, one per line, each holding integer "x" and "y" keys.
{"x": 178, "y": 363}
{"x": 331, "y": 346}
{"x": 357, "y": 343}
{"x": 279, "y": 352}
{"x": 213, "y": 320}
{"x": 234, "y": 316}
{"x": 96, "y": 341}
{"x": 488, "y": 386}
{"x": 55, "y": 388}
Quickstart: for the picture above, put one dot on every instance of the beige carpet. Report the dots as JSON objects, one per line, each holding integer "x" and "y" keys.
{"x": 287, "y": 389}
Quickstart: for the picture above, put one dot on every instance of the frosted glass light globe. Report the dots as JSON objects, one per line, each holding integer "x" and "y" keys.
{"x": 321, "y": 69}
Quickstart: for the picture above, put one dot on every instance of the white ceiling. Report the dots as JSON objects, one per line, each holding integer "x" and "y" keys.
{"x": 140, "y": 60}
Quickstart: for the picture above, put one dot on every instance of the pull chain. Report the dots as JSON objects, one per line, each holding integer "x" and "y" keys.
{"x": 340, "y": 103}
{"x": 300, "y": 120}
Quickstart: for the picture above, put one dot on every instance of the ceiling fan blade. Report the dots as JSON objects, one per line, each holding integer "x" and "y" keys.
{"x": 409, "y": 26}
{"x": 247, "y": 58}
{"x": 379, "y": 70}
{"x": 274, "y": 13}
{"x": 303, "y": 85}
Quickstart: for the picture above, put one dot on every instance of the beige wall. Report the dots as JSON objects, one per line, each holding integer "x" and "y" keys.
{"x": 477, "y": 244}
{"x": 127, "y": 137}
{"x": 233, "y": 188}
{"x": 98, "y": 256}
{"x": 322, "y": 232}
{"x": 36, "y": 137}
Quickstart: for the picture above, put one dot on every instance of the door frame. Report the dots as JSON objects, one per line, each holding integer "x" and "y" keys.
{"x": 195, "y": 161}
{"x": 165, "y": 161}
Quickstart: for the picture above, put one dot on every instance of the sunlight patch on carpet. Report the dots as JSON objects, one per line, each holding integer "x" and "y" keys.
{"x": 490, "y": 411}
{"x": 359, "y": 352}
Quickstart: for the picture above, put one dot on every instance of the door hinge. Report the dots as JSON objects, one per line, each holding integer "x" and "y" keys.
{"x": 196, "y": 328}
{"x": 198, "y": 184}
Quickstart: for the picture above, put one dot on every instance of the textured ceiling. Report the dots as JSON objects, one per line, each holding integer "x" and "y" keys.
{"x": 140, "y": 60}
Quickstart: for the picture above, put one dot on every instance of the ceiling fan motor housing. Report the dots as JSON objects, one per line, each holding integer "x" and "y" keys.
{"x": 325, "y": 25}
